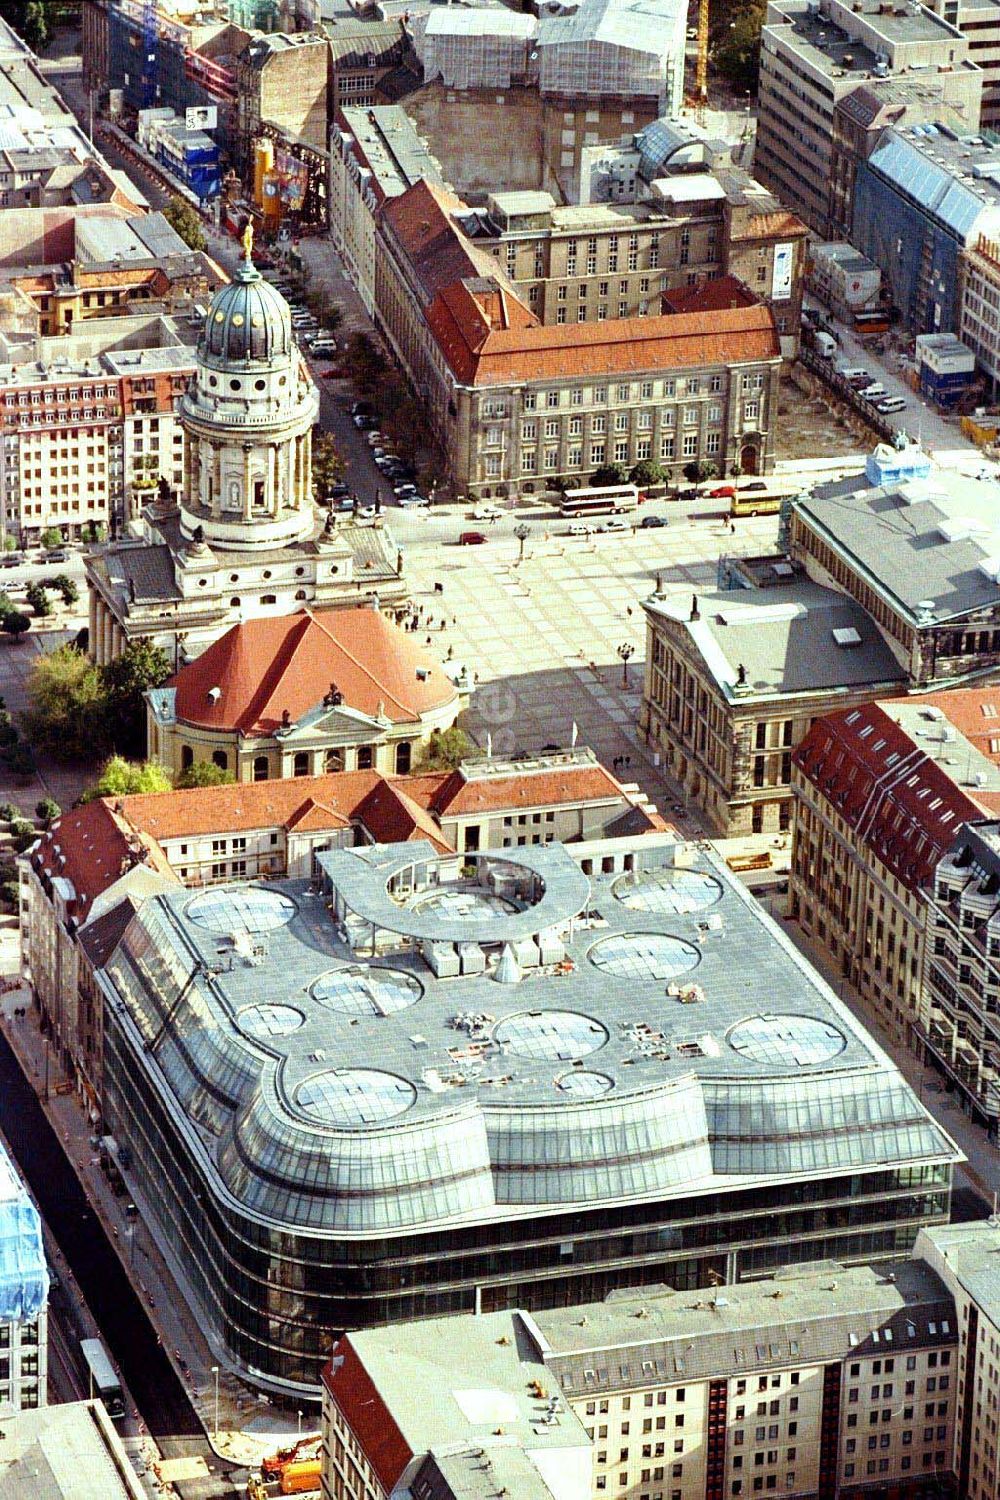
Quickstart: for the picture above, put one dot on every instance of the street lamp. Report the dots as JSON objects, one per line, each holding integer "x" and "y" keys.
{"x": 522, "y": 532}
{"x": 299, "y": 1414}
{"x": 625, "y": 651}
{"x": 215, "y": 1372}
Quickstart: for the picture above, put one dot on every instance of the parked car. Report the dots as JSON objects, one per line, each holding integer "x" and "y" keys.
{"x": 873, "y": 392}
{"x": 722, "y": 492}
{"x": 414, "y": 502}
{"x": 615, "y": 524}
{"x": 891, "y": 404}
{"x": 579, "y": 528}
{"x": 339, "y": 488}
{"x": 11, "y": 560}
{"x": 471, "y": 539}
{"x": 404, "y": 487}
{"x": 367, "y": 512}
{"x": 487, "y": 513}
{"x": 860, "y": 380}
{"x": 59, "y": 555}
{"x": 374, "y": 438}
{"x": 649, "y": 521}
{"x": 362, "y": 409}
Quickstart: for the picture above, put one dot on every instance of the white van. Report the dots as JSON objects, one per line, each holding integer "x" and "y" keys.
{"x": 825, "y": 344}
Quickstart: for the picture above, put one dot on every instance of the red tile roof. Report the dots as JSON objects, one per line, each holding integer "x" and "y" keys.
{"x": 902, "y": 804}
{"x": 709, "y": 296}
{"x": 262, "y": 668}
{"x": 459, "y": 795}
{"x": 438, "y": 252}
{"x": 526, "y": 350}
{"x": 975, "y": 712}
{"x": 367, "y": 1415}
{"x": 93, "y": 846}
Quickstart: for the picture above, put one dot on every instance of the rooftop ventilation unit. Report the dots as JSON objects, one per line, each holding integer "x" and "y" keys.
{"x": 846, "y": 636}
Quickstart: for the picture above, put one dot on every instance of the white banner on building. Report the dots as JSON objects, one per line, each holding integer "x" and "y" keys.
{"x": 201, "y": 117}
{"x": 781, "y": 275}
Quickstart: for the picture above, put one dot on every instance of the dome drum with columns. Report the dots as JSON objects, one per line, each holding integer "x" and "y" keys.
{"x": 248, "y": 416}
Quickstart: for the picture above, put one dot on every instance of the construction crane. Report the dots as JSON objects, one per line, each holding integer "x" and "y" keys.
{"x": 701, "y": 66}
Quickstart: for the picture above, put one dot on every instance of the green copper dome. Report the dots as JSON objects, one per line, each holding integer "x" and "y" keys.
{"x": 247, "y": 321}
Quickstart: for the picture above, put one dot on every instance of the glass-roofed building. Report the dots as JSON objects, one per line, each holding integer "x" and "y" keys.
{"x": 426, "y": 1084}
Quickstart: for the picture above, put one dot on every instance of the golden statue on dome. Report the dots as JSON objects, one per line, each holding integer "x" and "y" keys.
{"x": 248, "y": 241}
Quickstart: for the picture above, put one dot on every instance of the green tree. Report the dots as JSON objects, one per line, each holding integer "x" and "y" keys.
{"x": 51, "y": 537}
{"x": 15, "y": 624}
{"x": 445, "y": 749}
{"x": 39, "y": 600}
{"x": 609, "y": 474}
{"x": 66, "y": 587}
{"x": 327, "y": 464}
{"x": 35, "y": 26}
{"x": 65, "y": 712}
{"x": 123, "y": 682}
{"x": 48, "y": 810}
{"x": 204, "y": 773}
{"x": 9, "y": 544}
{"x": 184, "y": 219}
{"x": 736, "y": 45}
{"x": 698, "y": 470}
{"x": 646, "y": 472}
{"x": 122, "y": 778}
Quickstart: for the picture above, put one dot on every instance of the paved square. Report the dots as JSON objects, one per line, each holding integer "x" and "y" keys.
{"x": 543, "y": 637}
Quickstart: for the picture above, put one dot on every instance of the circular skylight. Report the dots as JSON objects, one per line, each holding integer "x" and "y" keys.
{"x": 674, "y": 891}
{"x": 471, "y": 906}
{"x": 354, "y": 1097}
{"x": 584, "y": 1084}
{"x": 645, "y": 955}
{"x": 263, "y": 1021}
{"x": 560, "y": 1035}
{"x": 248, "y": 908}
{"x": 787, "y": 1041}
{"x": 366, "y": 992}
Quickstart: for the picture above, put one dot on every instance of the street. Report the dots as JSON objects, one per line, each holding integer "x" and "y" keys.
{"x": 161, "y": 1398}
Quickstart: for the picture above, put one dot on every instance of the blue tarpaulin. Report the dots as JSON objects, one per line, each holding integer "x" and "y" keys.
{"x": 24, "y": 1276}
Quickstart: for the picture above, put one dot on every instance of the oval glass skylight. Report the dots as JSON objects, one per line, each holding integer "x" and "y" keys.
{"x": 787, "y": 1041}
{"x": 645, "y": 955}
{"x": 553, "y": 1034}
{"x": 238, "y": 909}
{"x": 366, "y": 992}
{"x": 354, "y": 1097}
{"x": 673, "y": 891}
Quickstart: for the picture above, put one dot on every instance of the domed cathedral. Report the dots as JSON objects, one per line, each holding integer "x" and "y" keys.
{"x": 243, "y": 539}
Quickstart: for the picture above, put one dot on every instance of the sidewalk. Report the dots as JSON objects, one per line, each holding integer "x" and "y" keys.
{"x": 248, "y": 1427}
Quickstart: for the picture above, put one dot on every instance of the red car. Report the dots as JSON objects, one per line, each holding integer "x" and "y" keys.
{"x": 471, "y": 539}
{"x": 724, "y": 492}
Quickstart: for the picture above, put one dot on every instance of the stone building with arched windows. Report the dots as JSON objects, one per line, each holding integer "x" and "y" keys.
{"x": 243, "y": 539}
{"x": 309, "y": 694}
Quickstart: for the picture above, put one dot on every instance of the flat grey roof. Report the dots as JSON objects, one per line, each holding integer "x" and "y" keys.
{"x": 803, "y": 1315}
{"x": 393, "y": 148}
{"x": 664, "y": 1037}
{"x": 783, "y": 637}
{"x": 67, "y": 1452}
{"x": 972, "y": 1252}
{"x": 935, "y": 540}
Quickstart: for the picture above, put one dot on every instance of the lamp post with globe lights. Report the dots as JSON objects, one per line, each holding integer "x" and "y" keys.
{"x": 625, "y": 651}
{"x": 522, "y": 531}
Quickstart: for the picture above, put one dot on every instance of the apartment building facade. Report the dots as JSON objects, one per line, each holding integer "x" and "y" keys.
{"x": 813, "y": 55}
{"x": 86, "y": 440}
{"x": 880, "y": 792}
{"x": 840, "y": 1383}
{"x": 734, "y": 682}
{"x": 959, "y": 1027}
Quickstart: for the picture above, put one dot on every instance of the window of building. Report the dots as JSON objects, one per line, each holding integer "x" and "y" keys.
{"x": 300, "y": 763}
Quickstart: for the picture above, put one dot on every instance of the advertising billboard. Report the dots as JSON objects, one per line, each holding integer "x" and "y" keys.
{"x": 201, "y": 117}
{"x": 781, "y": 274}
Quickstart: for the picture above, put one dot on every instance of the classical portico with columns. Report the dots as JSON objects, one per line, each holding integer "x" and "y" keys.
{"x": 243, "y": 539}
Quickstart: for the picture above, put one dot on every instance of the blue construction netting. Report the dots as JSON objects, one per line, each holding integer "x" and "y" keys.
{"x": 24, "y": 1276}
